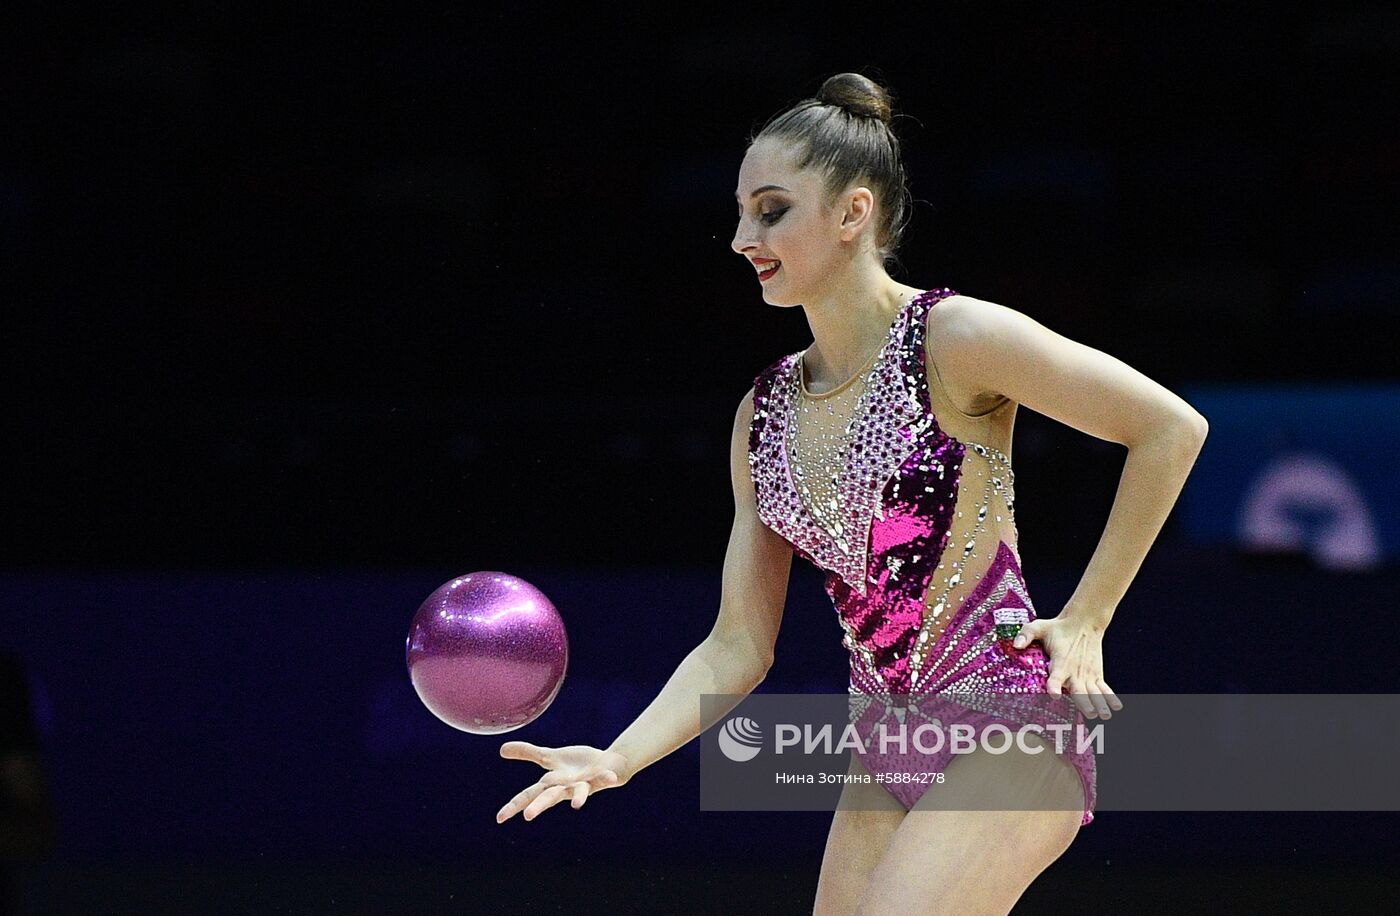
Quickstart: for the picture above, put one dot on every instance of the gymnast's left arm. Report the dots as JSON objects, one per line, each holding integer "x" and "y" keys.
{"x": 999, "y": 350}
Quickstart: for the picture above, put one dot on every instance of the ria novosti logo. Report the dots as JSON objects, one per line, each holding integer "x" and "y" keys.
{"x": 741, "y": 739}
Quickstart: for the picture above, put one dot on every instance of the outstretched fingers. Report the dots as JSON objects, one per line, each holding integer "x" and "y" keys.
{"x": 553, "y": 788}
{"x": 516, "y": 804}
{"x": 546, "y": 799}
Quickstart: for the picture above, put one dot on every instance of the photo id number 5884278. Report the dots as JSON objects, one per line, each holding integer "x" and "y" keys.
{"x": 915, "y": 778}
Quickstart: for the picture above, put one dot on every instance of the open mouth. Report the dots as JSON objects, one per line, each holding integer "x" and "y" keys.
{"x": 765, "y": 274}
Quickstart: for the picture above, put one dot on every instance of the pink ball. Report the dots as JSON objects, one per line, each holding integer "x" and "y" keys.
{"x": 487, "y": 652}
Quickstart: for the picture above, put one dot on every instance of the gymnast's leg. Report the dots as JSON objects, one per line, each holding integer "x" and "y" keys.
{"x": 942, "y": 860}
{"x": 865, "y": 821}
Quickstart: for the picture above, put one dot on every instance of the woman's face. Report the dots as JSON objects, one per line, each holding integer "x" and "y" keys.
{"x": 782, "y": 223}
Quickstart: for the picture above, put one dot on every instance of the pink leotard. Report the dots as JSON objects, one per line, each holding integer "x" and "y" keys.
{"x": 883, "y": 543}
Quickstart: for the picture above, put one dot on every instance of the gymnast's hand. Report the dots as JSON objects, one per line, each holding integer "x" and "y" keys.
{"x": 574, "y": 771}
{"x": 1075, "y": 648}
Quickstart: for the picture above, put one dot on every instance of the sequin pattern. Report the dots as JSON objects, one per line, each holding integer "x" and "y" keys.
{"x": 885, "y": 538}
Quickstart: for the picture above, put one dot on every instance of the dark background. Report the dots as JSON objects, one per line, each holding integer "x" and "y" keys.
{"x": 306, "y": 317}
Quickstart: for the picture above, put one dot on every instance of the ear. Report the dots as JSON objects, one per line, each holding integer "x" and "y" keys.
{"x": 859, "y": 209}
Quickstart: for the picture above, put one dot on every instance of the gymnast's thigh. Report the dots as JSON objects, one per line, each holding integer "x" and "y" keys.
{"x": 861, "y": 828}
{"x": 1014, "y": 780}
{"x": 956, "y": 852}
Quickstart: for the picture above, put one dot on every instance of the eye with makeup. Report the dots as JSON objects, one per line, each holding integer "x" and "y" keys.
{"x": 772, "y": 216}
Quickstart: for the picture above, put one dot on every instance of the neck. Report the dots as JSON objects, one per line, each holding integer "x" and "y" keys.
{"x": 850, "y": 321}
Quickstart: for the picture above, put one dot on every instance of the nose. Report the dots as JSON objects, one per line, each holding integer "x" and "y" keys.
{"x": 743, "y": 240}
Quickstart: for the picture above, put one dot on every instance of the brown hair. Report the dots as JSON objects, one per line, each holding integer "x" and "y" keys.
{"x": 845, "y": 131}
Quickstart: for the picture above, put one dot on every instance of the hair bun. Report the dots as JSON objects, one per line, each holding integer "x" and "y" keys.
{"x": 857, "y": 94}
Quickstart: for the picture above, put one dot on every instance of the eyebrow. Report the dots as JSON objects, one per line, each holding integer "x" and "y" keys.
{"x": 767, "y": 187}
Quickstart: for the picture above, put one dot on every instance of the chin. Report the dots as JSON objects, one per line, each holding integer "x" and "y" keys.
{"x": 775, "y": 298}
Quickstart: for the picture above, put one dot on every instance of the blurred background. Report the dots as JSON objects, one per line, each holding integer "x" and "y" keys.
{"x": 306, "y": 317}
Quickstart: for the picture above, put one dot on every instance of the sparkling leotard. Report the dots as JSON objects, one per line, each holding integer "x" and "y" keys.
{"x": 899, "y": 491}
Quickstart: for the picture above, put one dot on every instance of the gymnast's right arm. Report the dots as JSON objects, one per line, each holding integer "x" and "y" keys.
{"x": 732, "y": 660}
{"x": 735, "y": 657}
